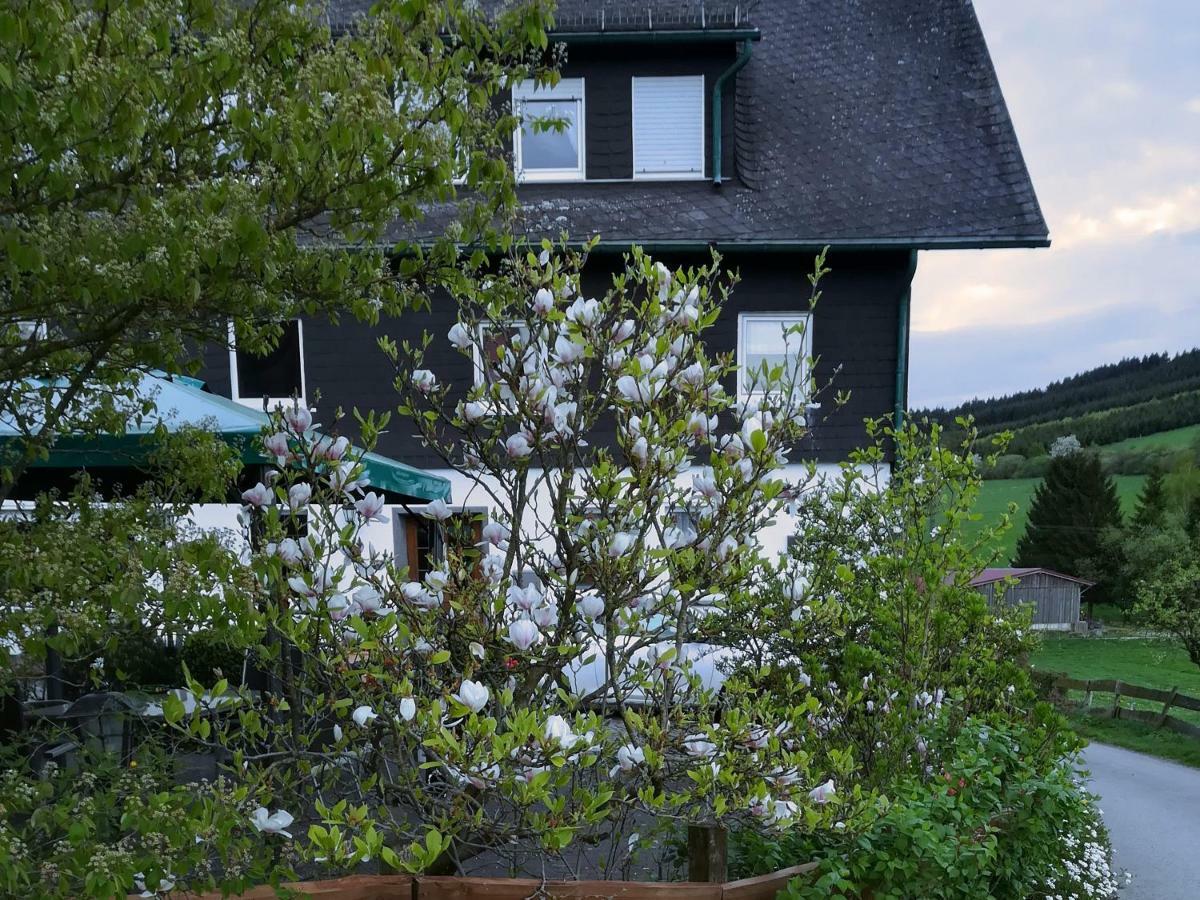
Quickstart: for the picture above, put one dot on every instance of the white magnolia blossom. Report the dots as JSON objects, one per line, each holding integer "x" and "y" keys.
{"x": 495, "y": 534}
{"x": 332, "y": 449}
{"x": 620, "y": 543}
{"x": 438, "y": 510}
{"x": 822, "y": 793}
{"x": 473, "y": 411}
{"x": 363, "y": 715}
{"x": 473, "y": 695}
{"x": 524, "y": 598}
{"x": 523, "y": 634}
{"x": 591, "y": 605}
{"x": 543, "y": 301}
{"x": 272, "y": 823}
{"x": 299, "y": 495}
{"x": 408, "y": 709}
{"x": 370, "y": 507}
{"x": 165, "y": 885}
{"x": 459, "y": 336}
{"x": 629, "y": 758}
{"x": 584, "y": 312}
{"x": 545, "y": 616}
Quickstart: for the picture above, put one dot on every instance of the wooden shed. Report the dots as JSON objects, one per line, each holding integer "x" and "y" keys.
{"x": 1054, "y": 596}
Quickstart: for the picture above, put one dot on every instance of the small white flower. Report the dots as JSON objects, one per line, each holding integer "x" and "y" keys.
{"x": 362, "y": 715}
{"x": 543, "y": 257}
{"x": 424, "y": 380}
{"x": 477, "y": 651}
{"x": 459, "y": 336}
{"x": 337, "y": 733}
{"x": 523, "y": 634}
{"x": 272, "y": 823}
{"x": 472, "y": 695}
{"x": 474, "y": 411}
{"x": 408, "y": 709}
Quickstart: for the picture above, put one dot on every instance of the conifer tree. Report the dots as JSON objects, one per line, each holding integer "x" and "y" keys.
{"x": 1151, "y": 511}
{"x": 1071, "y": 520}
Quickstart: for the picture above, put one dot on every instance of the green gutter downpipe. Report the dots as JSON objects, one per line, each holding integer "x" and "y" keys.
{"x": 718, "y": 87}
{"x": 902, "y": 342}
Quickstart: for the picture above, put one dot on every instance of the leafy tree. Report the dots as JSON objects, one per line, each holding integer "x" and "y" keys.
{"x": 1170, "y": 599}
{"x": 174, "y": 166}
{"x": 1071, "y": 510}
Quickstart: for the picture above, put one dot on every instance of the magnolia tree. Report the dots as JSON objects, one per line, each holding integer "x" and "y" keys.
{"x": 549, "y": 690}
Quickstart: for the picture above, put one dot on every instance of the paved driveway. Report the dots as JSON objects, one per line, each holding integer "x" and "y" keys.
{"x": 1152, "y": 809}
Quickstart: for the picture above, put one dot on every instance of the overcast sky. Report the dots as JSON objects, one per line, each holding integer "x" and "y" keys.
{"x": 1105, "y": 96}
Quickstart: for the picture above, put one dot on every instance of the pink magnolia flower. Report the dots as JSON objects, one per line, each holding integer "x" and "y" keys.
{"x": 591, "y": 606}
{"x": 289, "y": 551}
{"x": 258, "y": 496}
{"x": 524, "y": 598}
{"x": 367, "y": 599}
{"x": 298, "y": 419}
{"x": 424, "y": 381}
{"x": 517, "y": 446}
{"x": 474, "y": 411}
{"x": 523, "y": 634}
{"x": 623, "y": 330}
{"x": 566, "y": 351}
{"x": 705, "y": 484}
{"x": 277, "y": 445}
{"x": 640, "y": 451}
{"x": 699, "y": 426}
{"x": 331, "y": 448}
{"x": 545, "y": 616}
{"x": 343, "y": 477}
{"x": 496, "y": 534}
{"x": 370, "y": 507}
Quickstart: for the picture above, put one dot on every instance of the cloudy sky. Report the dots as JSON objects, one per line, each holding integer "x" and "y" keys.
{"x": 1105, "y": 95}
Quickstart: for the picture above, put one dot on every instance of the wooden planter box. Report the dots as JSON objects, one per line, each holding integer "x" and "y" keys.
{"x": 404, "y": 887}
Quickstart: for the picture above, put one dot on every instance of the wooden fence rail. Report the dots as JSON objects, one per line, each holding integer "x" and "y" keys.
{"x": 1162, "y": 718}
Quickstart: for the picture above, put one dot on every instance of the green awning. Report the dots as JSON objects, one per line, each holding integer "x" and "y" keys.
{"x": 180, "y": 402}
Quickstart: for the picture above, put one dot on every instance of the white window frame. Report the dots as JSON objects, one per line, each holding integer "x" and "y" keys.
{"x": 272, "y": 402}
{"x": 784, "y": 319}
{"x": 665, "y": 176}
{"x": 567, "y": 89}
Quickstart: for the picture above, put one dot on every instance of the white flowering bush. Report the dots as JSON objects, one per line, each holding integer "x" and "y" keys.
{"x": 553, "y": 686}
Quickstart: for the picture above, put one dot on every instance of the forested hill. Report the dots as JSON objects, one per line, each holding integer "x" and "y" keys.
{"x": 1134, "y": 382}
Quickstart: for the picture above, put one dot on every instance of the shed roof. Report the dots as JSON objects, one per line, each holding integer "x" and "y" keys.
{"x": 991, "y": 575}
{"x": 858, "y": 122}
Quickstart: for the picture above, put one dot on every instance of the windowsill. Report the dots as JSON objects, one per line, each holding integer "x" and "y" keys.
{"x": 667, "y": 176}
{"x": 256, "y": 403}
{"x": 550, "y": 178}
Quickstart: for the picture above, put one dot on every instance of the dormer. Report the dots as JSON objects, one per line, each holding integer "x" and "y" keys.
{"x": 646, "y": 94}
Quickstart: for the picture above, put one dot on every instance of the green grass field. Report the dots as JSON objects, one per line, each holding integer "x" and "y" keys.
{"x": 995, "y": 496}
{"x": 1150, "y": 662}
{"x": 1176, "y": 439}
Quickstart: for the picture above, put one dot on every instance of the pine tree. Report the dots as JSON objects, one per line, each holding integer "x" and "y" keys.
{"x": 1072, "y": 520}
{"x": 1151, "y": 511}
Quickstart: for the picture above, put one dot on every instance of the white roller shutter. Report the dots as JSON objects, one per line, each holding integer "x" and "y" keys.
{"x": 668, "y": 127}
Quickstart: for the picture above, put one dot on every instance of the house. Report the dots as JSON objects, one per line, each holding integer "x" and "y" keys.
{"x": 766, "y": 130}
{"x": 1054, "y": 596}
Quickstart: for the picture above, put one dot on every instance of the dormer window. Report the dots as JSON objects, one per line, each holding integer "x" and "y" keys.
{"x": 549, "y": 145}
{"x": 277, "y": 376}
{"x": 668, "y": 127}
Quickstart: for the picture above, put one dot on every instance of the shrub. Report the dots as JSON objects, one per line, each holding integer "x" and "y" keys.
{"x": 998, "y": 812}
{"x": 207, "y": 652}
{"x": 134, "y": 659}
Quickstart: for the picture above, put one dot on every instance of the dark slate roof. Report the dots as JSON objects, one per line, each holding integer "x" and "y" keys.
{"x": 858, "y": 121}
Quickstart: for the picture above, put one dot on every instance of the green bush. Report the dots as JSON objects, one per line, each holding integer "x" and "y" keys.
{"x": 996, "y": 812}
{"x": 207, "y": 651}
{"x": 136, "y": 659}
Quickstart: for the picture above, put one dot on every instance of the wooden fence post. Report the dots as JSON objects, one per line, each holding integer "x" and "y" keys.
{"x": 708, "y": 853}
{"x": 1162, "y": 716}
{"x": 1116, "y": 710}
{"x": 1087, "y": 700}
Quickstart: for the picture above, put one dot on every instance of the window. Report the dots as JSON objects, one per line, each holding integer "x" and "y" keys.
{"x": 277, "y": 376}
{"x": 543, "y": 151}
{"x": 767, "y": 340}
{"x": 425, "y": 541}
{"x": 495, "y": 341}
{"x": 668, "y": 127}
